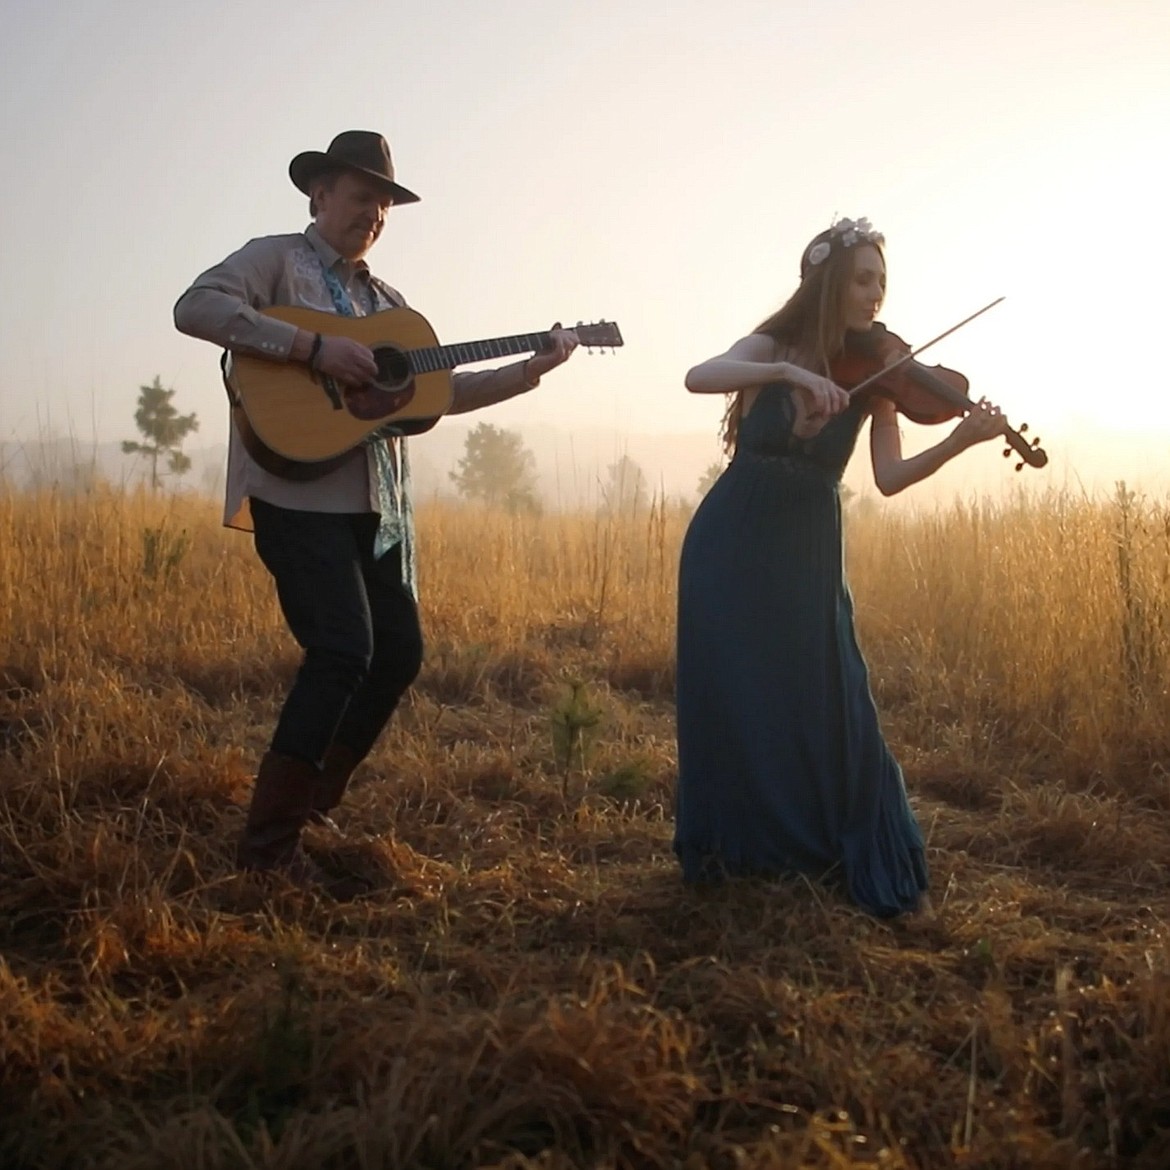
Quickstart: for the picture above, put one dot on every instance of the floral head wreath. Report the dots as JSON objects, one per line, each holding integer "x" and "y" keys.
{"x": 844, "y": 233}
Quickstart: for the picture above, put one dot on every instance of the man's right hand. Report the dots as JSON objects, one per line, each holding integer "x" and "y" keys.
{"x": 346, "y": 360}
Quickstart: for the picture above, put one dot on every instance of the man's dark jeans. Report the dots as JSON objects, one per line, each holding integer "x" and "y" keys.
{"x": 353, "y": 617}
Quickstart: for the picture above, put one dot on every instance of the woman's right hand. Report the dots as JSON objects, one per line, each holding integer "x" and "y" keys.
{"x": 822, "y": 397}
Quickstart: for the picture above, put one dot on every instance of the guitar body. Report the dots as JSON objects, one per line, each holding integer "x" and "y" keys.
{"x": 298, "y": 423}
{"x": 306, "y": 417}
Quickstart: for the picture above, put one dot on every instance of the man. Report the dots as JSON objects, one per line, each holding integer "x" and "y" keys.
{"x": 338, "y": 546}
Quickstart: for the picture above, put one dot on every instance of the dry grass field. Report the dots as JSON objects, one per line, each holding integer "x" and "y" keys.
{"x": 528, "y": 984}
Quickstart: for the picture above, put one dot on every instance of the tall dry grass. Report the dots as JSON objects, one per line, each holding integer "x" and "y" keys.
{"x": 528, "y": 985}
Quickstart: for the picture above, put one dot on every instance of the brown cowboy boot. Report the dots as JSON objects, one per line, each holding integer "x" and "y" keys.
{"x": 339, "y": 765}
{"x": 281, "y": 803}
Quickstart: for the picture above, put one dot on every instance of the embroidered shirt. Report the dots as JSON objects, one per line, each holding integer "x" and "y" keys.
{"x": 222, "y": 306}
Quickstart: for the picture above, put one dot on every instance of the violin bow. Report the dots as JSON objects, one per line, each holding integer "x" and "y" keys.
{"x": 907, "y": 357}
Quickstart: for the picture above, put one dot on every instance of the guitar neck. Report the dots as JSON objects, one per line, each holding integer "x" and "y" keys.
{"x": 447, "y": 357}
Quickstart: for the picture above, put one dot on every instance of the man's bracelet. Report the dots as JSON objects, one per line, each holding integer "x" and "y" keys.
{"x": 312, "y": 362}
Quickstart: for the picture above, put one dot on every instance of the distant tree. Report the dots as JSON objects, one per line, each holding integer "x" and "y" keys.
{"x": 860, "y": 507}
{"x": 211, "y": 479}
{"x": 164, "y": 429}
{"x": 708, "y": 478}
{"x": 497, "y": 470}
{"x": 625, "y": 488}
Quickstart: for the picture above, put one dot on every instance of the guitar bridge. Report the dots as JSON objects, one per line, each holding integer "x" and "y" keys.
{"x": 329, "y": 385}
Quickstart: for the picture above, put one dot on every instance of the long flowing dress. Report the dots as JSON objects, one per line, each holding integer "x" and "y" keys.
{"x": 782, "y": 764}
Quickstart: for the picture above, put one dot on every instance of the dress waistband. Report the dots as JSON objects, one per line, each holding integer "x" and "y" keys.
{"x": 788, "y": 463}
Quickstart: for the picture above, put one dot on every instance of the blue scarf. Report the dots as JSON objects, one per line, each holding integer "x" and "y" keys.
{"x": 396, "y": 513}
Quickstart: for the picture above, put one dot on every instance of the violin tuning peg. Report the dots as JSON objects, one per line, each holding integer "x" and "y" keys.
{"x": 1035, "y": 442}
{"x": 1007, "y": 452}
{"x": 1020, "y": 466}
{"x": 1023, "y": 427}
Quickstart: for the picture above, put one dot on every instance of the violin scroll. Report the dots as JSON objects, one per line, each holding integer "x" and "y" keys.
{"x": 1030, "y": 453}
{"x": 879, "y": 362}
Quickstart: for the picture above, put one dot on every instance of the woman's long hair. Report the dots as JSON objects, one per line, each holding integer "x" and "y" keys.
{"x": 809, "y": 328}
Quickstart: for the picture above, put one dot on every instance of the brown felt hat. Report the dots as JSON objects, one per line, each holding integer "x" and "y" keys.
{"x": 363, "y": 151}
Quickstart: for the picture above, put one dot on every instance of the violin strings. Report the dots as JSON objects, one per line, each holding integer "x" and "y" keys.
{"x": 915, "y": 352}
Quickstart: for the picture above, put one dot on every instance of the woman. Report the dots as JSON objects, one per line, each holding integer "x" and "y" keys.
{"x": 782, "y": 763}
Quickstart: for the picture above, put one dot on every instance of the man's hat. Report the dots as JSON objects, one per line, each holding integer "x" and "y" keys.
{"x": 353, "y": 150}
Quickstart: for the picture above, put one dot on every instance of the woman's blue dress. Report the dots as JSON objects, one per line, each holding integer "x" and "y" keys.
{"x": 782, "y": 763}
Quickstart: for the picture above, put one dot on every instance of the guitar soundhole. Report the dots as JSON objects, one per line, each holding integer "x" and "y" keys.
{"x": 393, "y": 368}
{"x": 389, "y": 393}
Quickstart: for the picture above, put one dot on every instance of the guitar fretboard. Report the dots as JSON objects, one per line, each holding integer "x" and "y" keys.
{"x": 447, "y": 357}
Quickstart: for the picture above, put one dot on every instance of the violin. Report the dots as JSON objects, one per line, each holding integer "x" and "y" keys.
{"x": 924, "y": 394}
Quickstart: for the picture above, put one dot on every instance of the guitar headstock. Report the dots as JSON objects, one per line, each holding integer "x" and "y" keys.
{"x": 601, "y": 335}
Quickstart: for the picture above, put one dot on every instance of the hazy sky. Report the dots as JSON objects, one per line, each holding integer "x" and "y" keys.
{"x": 658, "y": 164}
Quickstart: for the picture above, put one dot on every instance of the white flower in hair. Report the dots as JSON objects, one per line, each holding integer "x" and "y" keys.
{"x": 819, "y": 252}
{"x": 844, "y": 233}
{"x": 852, "y": 231}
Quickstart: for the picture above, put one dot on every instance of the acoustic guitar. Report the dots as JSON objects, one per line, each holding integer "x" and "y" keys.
{"x": 303, "y": 416}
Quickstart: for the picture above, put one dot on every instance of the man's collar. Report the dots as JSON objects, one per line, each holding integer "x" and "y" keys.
{"x": 328, "y": 253}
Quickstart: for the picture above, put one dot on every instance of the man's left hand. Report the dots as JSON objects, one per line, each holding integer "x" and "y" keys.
{"x": 564, "y": 341}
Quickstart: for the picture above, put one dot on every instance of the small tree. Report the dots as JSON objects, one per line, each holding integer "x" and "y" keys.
{"x": 625, "y": 488}
{"x": 164, "y": 429}
{"x": 708, "y": 478}
{"x": 497, "y": 469}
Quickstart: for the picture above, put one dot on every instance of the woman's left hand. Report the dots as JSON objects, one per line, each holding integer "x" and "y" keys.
{"x": 985, "y": 422}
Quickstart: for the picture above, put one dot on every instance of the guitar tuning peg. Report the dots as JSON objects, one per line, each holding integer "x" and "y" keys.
{"x": 1023, "y": 427}
{"x": 1007, "y": 452}
{"x": 1020, "y": 466}
{"x": 1035, "y": 442}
